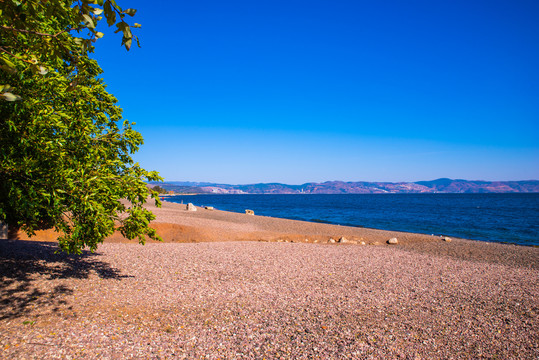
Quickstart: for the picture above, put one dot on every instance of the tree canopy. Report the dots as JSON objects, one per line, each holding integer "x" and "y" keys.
{"x": 65, "y": 150}
{"x": 159, "y": 189}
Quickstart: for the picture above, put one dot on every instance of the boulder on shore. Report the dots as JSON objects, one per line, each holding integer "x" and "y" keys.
{"x": 393, "y": 241}
{"x": 191, "y": 207}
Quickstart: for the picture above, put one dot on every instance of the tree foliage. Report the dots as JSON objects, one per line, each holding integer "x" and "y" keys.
{"x": 65, "y": 151}
{"x": 159, "y": 189}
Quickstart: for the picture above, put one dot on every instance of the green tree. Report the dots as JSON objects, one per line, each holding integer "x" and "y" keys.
{"x": 65, "y": 152}
{"x": 159, "y": 189}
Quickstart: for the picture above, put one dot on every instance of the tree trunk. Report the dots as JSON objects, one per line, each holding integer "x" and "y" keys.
{"x": 13, "y": 233}
{"x": 3, "y": 231}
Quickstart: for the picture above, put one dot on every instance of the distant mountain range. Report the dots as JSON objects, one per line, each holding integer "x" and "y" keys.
{"x": 361, "y": 187}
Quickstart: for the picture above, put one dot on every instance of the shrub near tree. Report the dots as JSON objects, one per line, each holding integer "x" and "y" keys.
{"x": 65, "y": 151}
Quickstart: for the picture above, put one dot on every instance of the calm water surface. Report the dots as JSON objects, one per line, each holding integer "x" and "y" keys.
{"x": 512, "y": 218}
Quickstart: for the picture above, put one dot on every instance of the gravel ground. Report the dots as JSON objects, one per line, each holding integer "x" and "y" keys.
{"x": 255, "y": 300}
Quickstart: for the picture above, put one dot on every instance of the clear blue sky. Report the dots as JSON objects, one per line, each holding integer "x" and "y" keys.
{"x": 297, "y": 91}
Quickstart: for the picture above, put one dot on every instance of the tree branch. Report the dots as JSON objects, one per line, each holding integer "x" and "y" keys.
{"x": 40, "y": 33}
{"x": 15, "y": 56}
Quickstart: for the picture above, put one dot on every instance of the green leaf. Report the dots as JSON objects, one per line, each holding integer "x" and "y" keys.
{"x": 130, "y": 12}
{"x": 10, "y": 97}
{"x": 127, "y": 43}
{"x": 109, "y": 13}
{"x": 120, "y": 27}
{"x": 88, "y": 21}
{"x": 127, "y": 32}
{"x": 7, "y": 62}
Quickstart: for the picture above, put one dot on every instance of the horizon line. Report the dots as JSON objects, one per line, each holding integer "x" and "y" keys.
{"x": 343, "y": 181}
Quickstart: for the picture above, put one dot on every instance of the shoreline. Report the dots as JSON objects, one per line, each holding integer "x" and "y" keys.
{"x": 177, "y": 225}
{"x": 512, "y": 226}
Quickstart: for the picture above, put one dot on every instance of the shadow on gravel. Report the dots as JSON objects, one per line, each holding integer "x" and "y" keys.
{"x": 25, "y": 263}
{"x": 483, "y": 252}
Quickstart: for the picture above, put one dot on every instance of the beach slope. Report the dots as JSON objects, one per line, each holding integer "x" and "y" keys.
{"x": 235, "y": 286}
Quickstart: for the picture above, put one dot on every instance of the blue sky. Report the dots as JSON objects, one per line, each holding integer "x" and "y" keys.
{"x": 298, "y": 91}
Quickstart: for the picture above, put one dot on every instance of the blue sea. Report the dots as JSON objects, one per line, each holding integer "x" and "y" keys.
{"x": 508, "y": 218}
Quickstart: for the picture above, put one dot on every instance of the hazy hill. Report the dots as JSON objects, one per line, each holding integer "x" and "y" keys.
{"x": 340, "y": 187}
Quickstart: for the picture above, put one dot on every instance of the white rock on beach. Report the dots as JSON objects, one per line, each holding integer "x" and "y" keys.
{"x": 344, "y": 240}
{"x": 249, "y": 212}
{"x": 446, "y": 238}
{"x": 191, "y": 207}
{"x": 331, "y": 240}
{"x": 393, "y": 241}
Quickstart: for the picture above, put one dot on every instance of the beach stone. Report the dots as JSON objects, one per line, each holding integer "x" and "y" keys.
{"x": 446, "y": 238}
{"x": 344, "y": 240}
{"x": 208, "y": 207}
{"x": 362, "y": 243}
{"x": 191, "y": 207}
{"x": 331, "y": 240}
{"x": 393, "y": 241}
{"x": 249, "y": 212}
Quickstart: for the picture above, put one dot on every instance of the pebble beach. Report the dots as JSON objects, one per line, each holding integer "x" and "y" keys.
{"x": 235, "y": 286}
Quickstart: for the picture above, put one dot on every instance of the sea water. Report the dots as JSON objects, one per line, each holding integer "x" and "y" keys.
{"x": 511, "y": 218}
